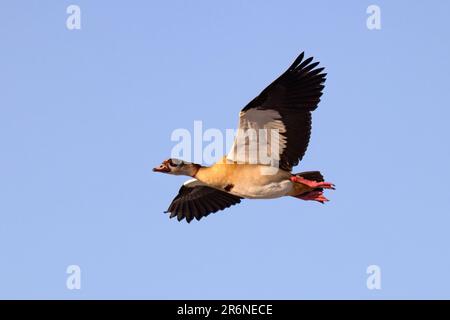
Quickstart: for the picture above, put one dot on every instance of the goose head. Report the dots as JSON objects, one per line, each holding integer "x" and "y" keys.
{"x": 177, "y": 167}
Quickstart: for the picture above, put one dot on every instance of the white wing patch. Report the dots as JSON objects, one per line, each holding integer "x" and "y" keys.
{"x": 191, "y": 183}
{"x": 259, "y": 139}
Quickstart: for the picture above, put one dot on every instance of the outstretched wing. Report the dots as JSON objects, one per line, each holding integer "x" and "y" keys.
{"x": 284, "y": 107}
{"x": 196, "y": 200}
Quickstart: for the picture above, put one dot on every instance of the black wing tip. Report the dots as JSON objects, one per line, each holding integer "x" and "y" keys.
{"x": 300, "y": 63}
{"x": 297, "y": 61}
{"x": 182, "y": 216}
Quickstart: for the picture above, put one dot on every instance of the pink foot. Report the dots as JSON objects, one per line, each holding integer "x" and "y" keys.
{"x": 314, "y": 195}
{"x": 312, "y": 184}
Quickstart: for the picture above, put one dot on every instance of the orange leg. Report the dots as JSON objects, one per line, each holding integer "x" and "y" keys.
{"x": 312, "y": 184}
{"x": 313, "y": 195}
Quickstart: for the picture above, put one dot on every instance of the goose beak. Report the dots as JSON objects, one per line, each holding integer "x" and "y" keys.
{"x": 163, "y": 167}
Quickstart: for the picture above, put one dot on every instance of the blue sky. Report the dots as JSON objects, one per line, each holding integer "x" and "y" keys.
{"x": 85, "y": 114}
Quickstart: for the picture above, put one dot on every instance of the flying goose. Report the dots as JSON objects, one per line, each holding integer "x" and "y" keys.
{"x": 284, "y": 107}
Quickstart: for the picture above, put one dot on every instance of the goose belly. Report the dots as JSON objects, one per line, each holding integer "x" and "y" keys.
{"x": 266, "y": 191}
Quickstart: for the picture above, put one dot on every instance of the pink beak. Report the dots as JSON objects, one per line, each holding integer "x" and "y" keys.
{"x": 163, "y": 167}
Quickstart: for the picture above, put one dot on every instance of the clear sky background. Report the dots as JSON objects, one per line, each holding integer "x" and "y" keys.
{"x": 86, "y": 114}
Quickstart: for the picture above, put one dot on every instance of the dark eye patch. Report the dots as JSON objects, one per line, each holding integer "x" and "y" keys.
{"x": 176, "y": 162}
